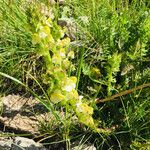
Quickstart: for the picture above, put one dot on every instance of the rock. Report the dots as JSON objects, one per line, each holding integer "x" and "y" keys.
{"x": 61, "y": 2}
{"x": 52, "y": 2}
{"x": 19, "y": 143}
{"x": 57, "y": 146}
{"x": 62, "y": 22}
{"x": 79, "y": 146}
{"x": 23, "y": 114}
{"x": 5, "y": 143}
{"x": 21, "y": 123}
{"x": 71, "y": 27}
{"x": 27, "y": 144}
{"x": 16, "y": 103}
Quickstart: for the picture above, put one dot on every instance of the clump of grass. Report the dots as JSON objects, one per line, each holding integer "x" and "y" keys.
{"x": 113, "y": 27}
{"x": 16, "y": 48}
{"x": 18, "y": 56}
{"x": 115, "y": 38}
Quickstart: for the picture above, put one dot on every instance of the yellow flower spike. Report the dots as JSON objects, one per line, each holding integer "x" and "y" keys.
{"x": 57, "y": 96}
{"x": 61, "y": 87}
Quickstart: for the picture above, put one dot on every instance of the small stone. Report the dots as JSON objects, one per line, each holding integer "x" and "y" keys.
{"x": 61, "y": 2}
{"x": 70, "y": 25}
{"x": 78, "y": 146}
{"x": 52, "y": 2}
{"x": 5, "y": 143}
{"x": 17, "y": 114}
{"x": 16, "y": 103}
{"x": 27, "y": 144}
{"x": 62, "y": 23}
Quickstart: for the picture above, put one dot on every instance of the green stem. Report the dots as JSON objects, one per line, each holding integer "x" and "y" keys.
{"x": 80, "y": 67}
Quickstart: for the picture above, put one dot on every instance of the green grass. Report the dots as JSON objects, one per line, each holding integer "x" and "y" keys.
{"x": 113, "y": 57}
{"x": 16, "y": 50}
{"x": 108, "y": 27}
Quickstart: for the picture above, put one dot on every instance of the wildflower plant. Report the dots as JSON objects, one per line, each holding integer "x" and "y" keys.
{"x": 53, "y": 47}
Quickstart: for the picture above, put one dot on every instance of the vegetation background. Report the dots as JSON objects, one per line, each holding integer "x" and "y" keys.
{"x": 111, "y": 44}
